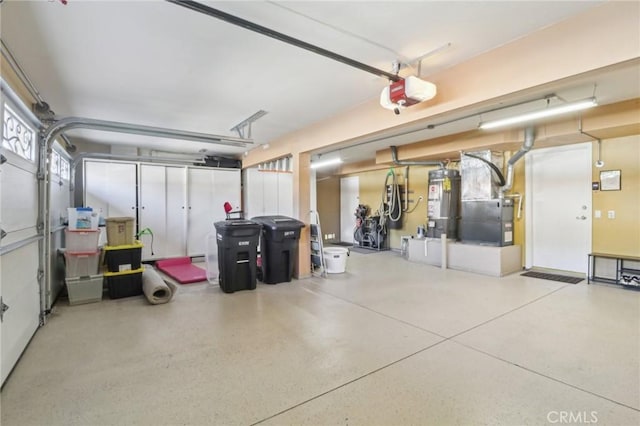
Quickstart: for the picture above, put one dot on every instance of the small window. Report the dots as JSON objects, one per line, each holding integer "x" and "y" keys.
{"x": 64, "y": 169}
{"x": 17, "y": 136}
{"x": 55, "y": 163}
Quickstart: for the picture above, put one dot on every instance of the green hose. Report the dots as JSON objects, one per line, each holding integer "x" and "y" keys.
{"x": 146, "y": 231}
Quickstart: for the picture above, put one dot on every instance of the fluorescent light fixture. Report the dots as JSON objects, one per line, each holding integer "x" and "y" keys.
{"x": 325, "y": 163}
{"x": 548, "y": 112}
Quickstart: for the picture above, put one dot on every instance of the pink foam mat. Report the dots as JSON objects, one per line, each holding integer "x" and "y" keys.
{"x": 182, "y": 270}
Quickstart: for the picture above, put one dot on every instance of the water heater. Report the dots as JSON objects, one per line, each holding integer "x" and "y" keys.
{"x": 443, "y": 201}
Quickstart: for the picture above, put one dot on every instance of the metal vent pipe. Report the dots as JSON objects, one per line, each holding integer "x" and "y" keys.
{"x": 529, "y": 138}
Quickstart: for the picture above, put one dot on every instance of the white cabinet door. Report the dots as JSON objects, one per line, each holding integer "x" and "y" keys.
{"x": 200, "y": 210}
{"x": 226, "y": 189}
{"x": 176, "y": 179}
{"x": 285, "y": 194}
{"x": 270, "y": 180}
{"x": 153, "y": 215}
{"x": 253, "y": 194}
{"x": 208, "y": 190}
{"x": 110, "y": 187}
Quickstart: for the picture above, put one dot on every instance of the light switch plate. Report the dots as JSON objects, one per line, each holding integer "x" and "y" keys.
{"x": 597, "y": 214}
{"x": 611, "y": 214}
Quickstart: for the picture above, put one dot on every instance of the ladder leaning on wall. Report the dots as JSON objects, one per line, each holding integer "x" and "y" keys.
{"x": 318, "y": 267}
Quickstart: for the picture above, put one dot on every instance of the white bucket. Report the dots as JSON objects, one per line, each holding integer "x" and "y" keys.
{"x": 335, "y": 259}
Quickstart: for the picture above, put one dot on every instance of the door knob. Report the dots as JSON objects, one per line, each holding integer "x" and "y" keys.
{"x": 581, "y": 217}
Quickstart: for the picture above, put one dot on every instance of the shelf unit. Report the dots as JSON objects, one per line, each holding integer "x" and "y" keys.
{"x": 625, "y": 274}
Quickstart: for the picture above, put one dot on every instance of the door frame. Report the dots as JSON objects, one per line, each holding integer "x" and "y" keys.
{"x": 350, "y": 213}
{"x": 528, "y": 206}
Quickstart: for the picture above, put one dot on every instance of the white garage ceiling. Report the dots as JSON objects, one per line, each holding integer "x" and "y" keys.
{"x": 159, "y": 64}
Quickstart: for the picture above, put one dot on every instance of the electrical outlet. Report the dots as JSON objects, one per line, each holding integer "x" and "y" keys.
{"x": 611, "y": 214}
{"x": 597, "y": 214}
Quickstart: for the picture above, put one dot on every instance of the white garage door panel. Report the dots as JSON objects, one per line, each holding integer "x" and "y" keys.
{"x": 20, "y": 293}
{"x": 60, "y": 200}
{"x": 19, "y": 204}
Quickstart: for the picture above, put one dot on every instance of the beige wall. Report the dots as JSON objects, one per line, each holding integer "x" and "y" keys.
{"x": 621, "y": 235}
{"x": 328, "y": 201}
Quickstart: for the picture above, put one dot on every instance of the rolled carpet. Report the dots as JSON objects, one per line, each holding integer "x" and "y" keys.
{"x": 156, "y": 290}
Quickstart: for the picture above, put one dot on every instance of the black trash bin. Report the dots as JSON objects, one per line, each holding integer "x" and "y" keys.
{"x": 278, "y": 247}
{"x": 237, "y": 242}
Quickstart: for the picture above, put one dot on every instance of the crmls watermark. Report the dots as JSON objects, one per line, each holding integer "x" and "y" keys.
{"x": 572, "y": 417}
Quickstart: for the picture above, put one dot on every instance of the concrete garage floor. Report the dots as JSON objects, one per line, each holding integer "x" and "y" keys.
{"x": 388, "y": 343}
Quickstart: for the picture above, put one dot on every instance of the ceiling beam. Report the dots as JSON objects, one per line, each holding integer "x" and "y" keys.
{"x": 607, "y": 121}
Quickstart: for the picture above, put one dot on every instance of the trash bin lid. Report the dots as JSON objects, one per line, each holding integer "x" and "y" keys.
{"x": 279, "y": 223}
{"x": 230, "y": 225}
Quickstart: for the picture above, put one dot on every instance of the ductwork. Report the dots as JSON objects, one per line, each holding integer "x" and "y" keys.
{"x": 394, "y": 157}
{"x": 529, "y": 138}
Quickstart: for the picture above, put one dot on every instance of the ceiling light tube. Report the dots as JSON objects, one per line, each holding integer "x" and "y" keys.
{"x": 325, "y": 163}
{"x": 548, "y": 112}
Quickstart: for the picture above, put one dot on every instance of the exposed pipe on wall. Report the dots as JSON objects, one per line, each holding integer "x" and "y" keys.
{"x": 529, "y": 138}
{"x": 394, "y": 157}
{"x": 251, "y": 26}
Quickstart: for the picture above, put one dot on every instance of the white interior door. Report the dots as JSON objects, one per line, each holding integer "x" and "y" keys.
{"x": 559, "y": 207}
{"x": 153, "y": 214}
{"x": 349, "y": 200}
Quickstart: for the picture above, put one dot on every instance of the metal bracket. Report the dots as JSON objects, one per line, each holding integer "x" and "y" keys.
{"x": 244, "y": 127}
{"x": 3, "y": 308}
{"x": 3, "y": 159}
{"x": 3, "y": 234}
{"x": 40, "y": 226}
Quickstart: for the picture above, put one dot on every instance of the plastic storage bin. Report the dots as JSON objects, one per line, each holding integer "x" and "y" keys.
{"x": 335, "y": 259}
{"x": 81, "y": 264}
{"x": 84, "y": 289}
{"x": 120, "y": 231}
{"x": 84, "y": 241}
{"x": 237, "y": 242}
{"x": 278, "y": 247}
{"x": 123, "y": 258}
{"x": 124, "y": 284}
{"x": 211, "y": 258}
{"x": 81, "y": 218}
